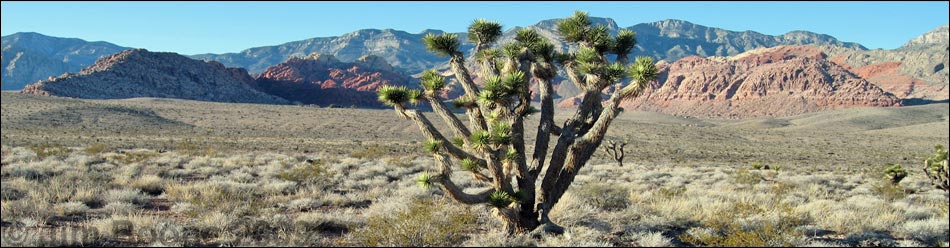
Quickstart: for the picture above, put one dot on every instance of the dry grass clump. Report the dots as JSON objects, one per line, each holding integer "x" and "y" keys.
{"x": 422, "y": 222}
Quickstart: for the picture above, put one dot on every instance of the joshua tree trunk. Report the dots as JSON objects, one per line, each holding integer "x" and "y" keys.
{"x": 495, "y": 150}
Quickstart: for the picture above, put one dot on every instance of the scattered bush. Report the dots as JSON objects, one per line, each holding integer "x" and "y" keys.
{"x": 315, "y": 173}
{"x": 151, "y": 184}
{"x": 424, "y": 223}
{"x": 745, "y": 177}
{"x": 96, "y": 149}
{"x": 45, "y": 151}
{"x": 608, "y": 197}
{"x": 133, "y": 196}
{"x": 373, "y": 152}
{"x": 71, "y": 208}
{"x": 888, "y": 191}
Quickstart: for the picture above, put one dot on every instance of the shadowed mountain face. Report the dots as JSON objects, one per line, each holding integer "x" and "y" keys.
{"x": 324, "y": 80}
{"x": 30, "y": 57}
{"x": 140, "y": 73}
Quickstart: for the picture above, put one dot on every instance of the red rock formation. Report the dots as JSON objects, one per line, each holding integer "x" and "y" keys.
{"x": 779, "y": 81}
{"x": 140, "y": 73}
{"x": 324, "y": 80}
{"x": 887, "y": 76}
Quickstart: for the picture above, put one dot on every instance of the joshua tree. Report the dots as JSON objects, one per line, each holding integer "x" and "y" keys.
{"x": 936, "y": 168}
{"x": 614, "y": 149}
{"x": 895, "y": 174}
{"x": 493, "y": 146}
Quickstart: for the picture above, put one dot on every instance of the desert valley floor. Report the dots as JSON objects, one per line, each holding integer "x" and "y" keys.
{"x": 198, "y": 168}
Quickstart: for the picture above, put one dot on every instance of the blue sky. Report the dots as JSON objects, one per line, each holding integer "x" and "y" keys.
{"x": 219, "y": 27}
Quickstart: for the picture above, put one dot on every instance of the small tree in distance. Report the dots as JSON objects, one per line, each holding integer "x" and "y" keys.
{"x": 492, "y": 148}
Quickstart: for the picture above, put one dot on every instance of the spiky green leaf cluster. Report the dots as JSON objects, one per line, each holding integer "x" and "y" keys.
{"x": 464, "y": 102}
{"x": 512, "y": 50}
{"x": 395, "y": 95}
{"x": 458, "y": 141}
{"x": 468, "y": 165}
{"x": 442, "y": 44}
{"x": 643, "y": 69}
{"x": 543, "y": 51}
{"x": 500, "y": 199}
{"x": 480, "y": 140}
{"x": 487, "y": 54}
{"x": 562, "y": 58}
{"x": 599, "y": 38}
{"x": 432, "y": 81}
{"x": 527, "y": 36}
{"x": 625, "y": 41}
{"x": 574, "y": 28}
{"x": 493, "y": 90}
{"x": 484, "y": 32}
{"x": 425, "y": 180}
{"x": 432, "y": 146}
{"x": 616, "y": 72}
{"x": 586, "y": 55}
{"x": 501, "y": 133}
{"x": 497, "y": 89}
{"x": 511, "y": 154}
{"x": 415, "y": 96}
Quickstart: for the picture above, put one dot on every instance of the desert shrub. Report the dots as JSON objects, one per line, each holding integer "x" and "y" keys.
{"x": 44, "y": 151}
{"x": 135, "y": 157}
{"x": 424, "y": 222}
{"x": 96, "y": 149}
{"x": 372, "y": 152}
{"x": 727, "y": 229}
{"x": 932, "y": 232}
{"x": 670, "y": 192}
{"x": 151, "y": 184}
{"x": 734, "y": 235}
{"x": 609, "y": 197}
{"x": 8, "y": 193}
{"x": 888, "y": 191}
{"x": 133, "y": 196}
{"x": 315, "y": 172}
{"x": 746, "y": 177}
{"x": 71, "y": 208}
{"x": 401, "y": 161}
{"x": 193, "y": 149}
{"x": 760, "y": 166}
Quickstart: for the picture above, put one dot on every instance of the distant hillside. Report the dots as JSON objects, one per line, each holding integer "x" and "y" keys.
{"x": 324, "y": 80}
{"x": 30, "y": 57}
{"x": 669, "y": 40}
{"x": 140, "y": 73}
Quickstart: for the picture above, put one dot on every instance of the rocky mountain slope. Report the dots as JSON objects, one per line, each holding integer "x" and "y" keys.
{"x": 325, "y": 80}
{"x": 30, "y": 57}
{"x": 669, "y": 40}
{"x": 402, "y": 50}
{"x": 918, "y": 69}
{"x": 780, "y": 81}
{"x": 140, "y": 73}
